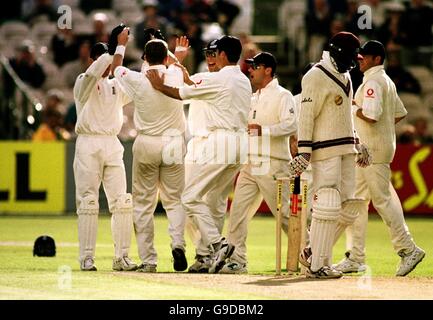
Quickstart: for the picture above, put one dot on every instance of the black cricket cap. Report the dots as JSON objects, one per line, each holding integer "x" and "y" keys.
{"x": 211, "y": 46}
{"x": 373, "y": 48}
{"x": 265, "y": 58}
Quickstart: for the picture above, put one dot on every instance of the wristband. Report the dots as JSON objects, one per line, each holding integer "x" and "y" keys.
{"x": 120, "y": 50}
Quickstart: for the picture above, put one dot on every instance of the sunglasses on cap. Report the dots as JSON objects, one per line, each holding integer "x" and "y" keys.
{"x": 210, "y": 53}
{"x": 255, "y": 66}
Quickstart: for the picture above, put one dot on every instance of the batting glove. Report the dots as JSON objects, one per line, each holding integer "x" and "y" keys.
{"x": 363, "y": 158}
{"x": 299, "y": 164}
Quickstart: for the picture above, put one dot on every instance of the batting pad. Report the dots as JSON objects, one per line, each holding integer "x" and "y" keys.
{"x": 87, "y": 226}
{"x": 122, "y": 225}
{"x": 349, "y": 212}
{"x": 326, "y": 210}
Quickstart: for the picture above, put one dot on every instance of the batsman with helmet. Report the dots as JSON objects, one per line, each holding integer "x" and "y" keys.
{"x": 327, "y": 139}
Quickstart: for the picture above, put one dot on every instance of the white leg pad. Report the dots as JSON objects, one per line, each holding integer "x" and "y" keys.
{"x": 349, "y": 212}
{"x": 122, "y": 225}
{"x": 87, "y": 226}
{"x": 326, "y": 210}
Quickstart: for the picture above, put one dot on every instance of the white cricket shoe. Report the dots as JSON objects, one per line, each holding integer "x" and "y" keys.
{"x": 348, "y": 265}
{"x": 324, "y": 272}
{"x": 201, "y": 264}
{"x": 88, "y": 264}
{"x": 234, "y": 267}
{"x": 222, "y": 251}
{"x": 409, "y": 261}
{"x": 147, "y": 268}
{"x": 124, "y": 264}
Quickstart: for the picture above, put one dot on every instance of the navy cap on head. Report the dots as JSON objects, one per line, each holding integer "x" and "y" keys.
{"x": 373, "y": 48}
{"x": 98, "y": 49}
{"x": 264, "y": 58}
{"x": 212, "y": 45}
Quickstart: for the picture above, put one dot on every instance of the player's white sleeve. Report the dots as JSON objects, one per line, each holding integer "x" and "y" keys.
{"x": 288, "y": 124}
{"x": 311, "y": 104}
{"x": 129, "y": 80}
{"x": 372, "y": 103}
{"x": 206, "y": 89}
{"x": 400, "y": 110}
{"x": 87, "y": 81}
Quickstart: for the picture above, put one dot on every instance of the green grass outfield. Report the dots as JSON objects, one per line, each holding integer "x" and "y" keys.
{"x": 23, "y": 276}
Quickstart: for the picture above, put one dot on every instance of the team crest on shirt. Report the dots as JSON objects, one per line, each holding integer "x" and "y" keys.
{"x": 338, "y": 100}
{"x": 370, "y": 93}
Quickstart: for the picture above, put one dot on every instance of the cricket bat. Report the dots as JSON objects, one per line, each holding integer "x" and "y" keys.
{"x": 278, "y": 229}
{"x": 294, "y": 227}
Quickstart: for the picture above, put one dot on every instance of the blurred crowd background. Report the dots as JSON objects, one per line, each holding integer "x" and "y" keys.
{"x": 40, "y": 61}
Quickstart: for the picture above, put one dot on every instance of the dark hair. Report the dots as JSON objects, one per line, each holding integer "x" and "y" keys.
{"x": 155, "y": 51}
{"x": 231, "y": 46}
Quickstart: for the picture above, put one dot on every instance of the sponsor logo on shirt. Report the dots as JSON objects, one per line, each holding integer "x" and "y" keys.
{"x": 338, "y": 100}
{"x": 306, "y": 100}
{"x": 370, "y": 93}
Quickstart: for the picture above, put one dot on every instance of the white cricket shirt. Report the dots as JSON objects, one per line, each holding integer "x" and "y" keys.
{"x": 378, "y": 98}
{"x": 228, "y": 95}
{"x": 155, "y": 114}
{"x": 99, "y": 101}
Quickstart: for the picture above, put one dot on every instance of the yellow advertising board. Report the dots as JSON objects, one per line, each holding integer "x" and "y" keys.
{"x": 32, "y": 177}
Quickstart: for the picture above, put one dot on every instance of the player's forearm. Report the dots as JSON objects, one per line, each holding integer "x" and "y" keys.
{"x": 98, "y": 67}
{"x": 398, "y": 119}
{"x": 117, "y": 62}
{"x": 360, "y": 115}
{"x": 169, "y": 91}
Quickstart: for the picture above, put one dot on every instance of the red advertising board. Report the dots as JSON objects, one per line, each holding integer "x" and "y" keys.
{"x": 412, "y": 177}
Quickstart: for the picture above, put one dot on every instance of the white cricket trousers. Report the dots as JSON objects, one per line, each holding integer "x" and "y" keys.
{"x": 373, "y": 183}
{"x": 335, "y": 173}
{"x": 215, "y": 200}
{"x": 154, "y": 169}
{"x": 214, "y": 175}
{"x": 250, "y": 191}
{"x": 97, "y": 159}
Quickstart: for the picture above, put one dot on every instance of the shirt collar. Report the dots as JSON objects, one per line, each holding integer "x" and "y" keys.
{"x": 373, "y": 70}
{"x": 160, "y": 67}
{"x": 228, "y": 67}
{"x": 327, "y": 62}
{"x": 272, "y": 84}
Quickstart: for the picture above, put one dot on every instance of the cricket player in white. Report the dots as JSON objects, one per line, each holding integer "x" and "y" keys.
{"x": 378, "y": 108}
{"x": 327, "y": 139}
{"x": 158, "y": 153}
{"x": 228, "y": 93}
{"x": 271, "y": 121}
{"x": 99, "y": 158}
{"x": 198, "y": 129}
